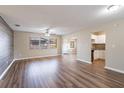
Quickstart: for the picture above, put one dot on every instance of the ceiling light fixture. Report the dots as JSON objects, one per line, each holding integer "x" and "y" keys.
{"x": 113, "y": 7}
{"x": 47, "y": 32}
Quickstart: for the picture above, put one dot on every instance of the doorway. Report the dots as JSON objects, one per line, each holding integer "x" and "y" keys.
{"x": 73, "y": 46}
{"x": 69, "y": 46}
{"x": 98, "y": 44}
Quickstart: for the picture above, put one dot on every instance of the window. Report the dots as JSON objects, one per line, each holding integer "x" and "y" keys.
{"x": 42, "y": 43}
{"x": 34, "y": 43}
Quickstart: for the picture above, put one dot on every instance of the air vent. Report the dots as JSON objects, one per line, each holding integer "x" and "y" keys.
{"x": 17, "y": 25}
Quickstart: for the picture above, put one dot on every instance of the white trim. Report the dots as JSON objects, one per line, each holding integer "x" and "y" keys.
{"x": 113, "y": 69}
{"x": 5, "y": 71}
{"x": 84, "y": 61}
{"x": 37, "y": 57}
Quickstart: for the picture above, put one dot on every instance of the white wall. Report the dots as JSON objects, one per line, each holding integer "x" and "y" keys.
{"x": 114, "y": 44}
{"x": 115, "y": 47}
{"x": 22, "y": 47}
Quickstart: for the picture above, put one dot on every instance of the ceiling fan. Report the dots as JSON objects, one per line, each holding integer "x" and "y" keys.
{"x": 48, "y": 32}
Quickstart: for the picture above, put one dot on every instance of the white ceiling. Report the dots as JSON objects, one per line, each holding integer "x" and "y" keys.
{"x": 61, "y": 19}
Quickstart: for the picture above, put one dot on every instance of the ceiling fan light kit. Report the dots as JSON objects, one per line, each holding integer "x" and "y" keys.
{"x": 47, "y": 32}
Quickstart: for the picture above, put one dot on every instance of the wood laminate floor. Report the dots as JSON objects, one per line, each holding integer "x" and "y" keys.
{"x": 60, "y": 72}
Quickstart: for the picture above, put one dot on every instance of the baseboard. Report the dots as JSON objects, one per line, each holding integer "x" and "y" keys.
{"x": 84, "y": 61}
{"x": 37, "y": 57}
{"x": 113, "y": 69}
{"x": 5, "y": 71}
